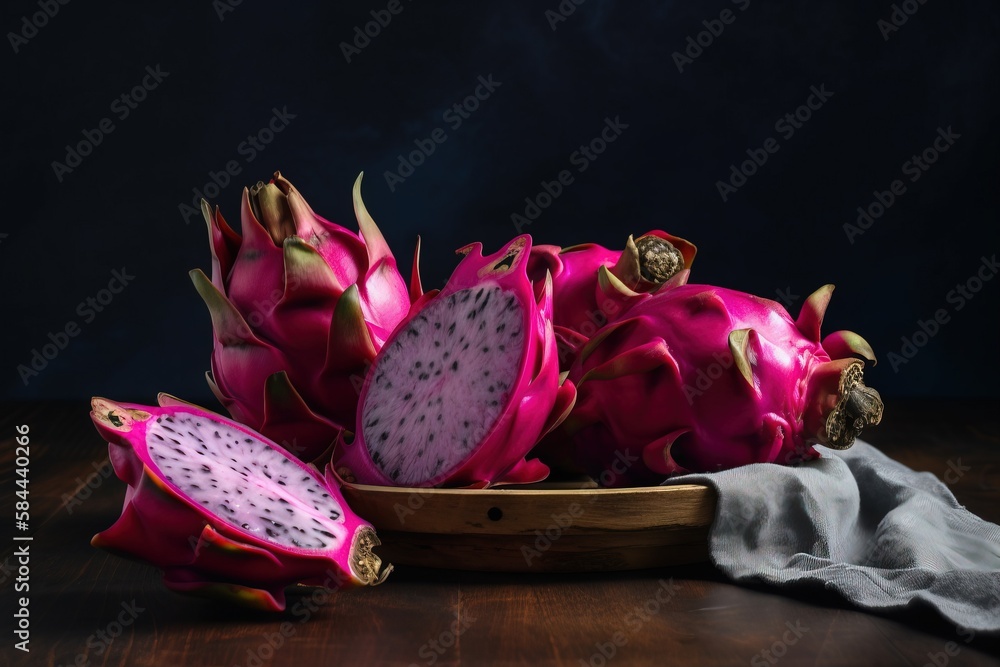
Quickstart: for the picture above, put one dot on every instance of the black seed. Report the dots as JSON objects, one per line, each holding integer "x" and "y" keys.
{"x": 418, "y": 364}
{"x": 451, "y": 329}
{"x": 454, "y": 365}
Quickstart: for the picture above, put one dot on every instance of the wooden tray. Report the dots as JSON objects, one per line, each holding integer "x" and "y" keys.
{"x": 538, "y": 529}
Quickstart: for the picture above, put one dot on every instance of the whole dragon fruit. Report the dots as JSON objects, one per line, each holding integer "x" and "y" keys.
{"x": 592, "y": 285}
{"x": 299, "y": 308}
{"x": 224, "y": 512}
{"x": 701, "y": 378}
{"x": 466, "y": 385}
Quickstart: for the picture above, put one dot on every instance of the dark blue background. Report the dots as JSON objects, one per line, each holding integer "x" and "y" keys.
{"x": 783, "y": 229}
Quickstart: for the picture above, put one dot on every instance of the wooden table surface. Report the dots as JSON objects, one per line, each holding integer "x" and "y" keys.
{"x": 90, "y": 608}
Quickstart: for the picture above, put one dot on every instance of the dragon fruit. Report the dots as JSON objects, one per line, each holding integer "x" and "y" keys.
{"x": 466, "y": 386}
{"x": 299, "y": 308}
{"x": 592, "y": 284}
{"x": 224, "y": 512}
{"x": 700, "y": 378}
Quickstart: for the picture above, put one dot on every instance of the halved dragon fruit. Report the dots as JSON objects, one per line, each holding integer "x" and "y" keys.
{"x": 466, "y": 386}
{"x": 592, "y": 285}
{"x": 225, "y": 512}
{"x": 701, "y": 378}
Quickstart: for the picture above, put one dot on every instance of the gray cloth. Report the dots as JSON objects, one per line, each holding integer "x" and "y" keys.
{"x": 882, "y": 535}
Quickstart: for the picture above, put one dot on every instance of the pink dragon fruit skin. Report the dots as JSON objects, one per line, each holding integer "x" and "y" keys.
{"x": 486, "y": 384}
{"x": 700, "y": 378}
{"x": 169, "y": 521}
{"x": 299, "y": 308}
{"x": 592, "y": 285}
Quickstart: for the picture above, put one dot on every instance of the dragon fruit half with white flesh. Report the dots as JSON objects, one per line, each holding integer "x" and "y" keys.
{"x": 224, "y": 512}
{"x": 466, "y": 386}
{"x": 700, "y": 378}
{"x": 299, "y": 307}
{"x": 592, "y": 285}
